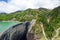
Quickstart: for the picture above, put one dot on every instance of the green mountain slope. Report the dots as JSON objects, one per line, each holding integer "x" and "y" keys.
{"x": 23, "y": 15}
{"x": 54, "y": 22}
{"x": 49, "y": 18}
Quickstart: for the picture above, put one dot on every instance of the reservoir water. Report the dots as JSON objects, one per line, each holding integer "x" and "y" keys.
{"x": 5, "y": 25}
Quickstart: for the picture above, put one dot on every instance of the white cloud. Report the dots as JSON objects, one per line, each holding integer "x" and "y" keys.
{"x": 50, "y": 4}
{"x": 4, "y": 7}
{"x": 15, "y": 5}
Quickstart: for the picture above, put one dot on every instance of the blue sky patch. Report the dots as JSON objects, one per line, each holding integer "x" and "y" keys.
{"x": 4, "y": 1}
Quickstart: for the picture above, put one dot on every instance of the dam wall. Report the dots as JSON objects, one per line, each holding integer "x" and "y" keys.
{"x": 16, "y": 32}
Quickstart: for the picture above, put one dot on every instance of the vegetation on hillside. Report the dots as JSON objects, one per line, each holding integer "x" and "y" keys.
{"x": 49, "y": 18}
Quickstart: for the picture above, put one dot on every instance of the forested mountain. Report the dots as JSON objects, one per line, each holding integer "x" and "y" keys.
{"x": 49, "y": 18}
{"x": 23, "y": 15}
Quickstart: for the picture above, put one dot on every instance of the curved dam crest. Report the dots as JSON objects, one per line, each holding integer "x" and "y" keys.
{"x": 18, "y": 31}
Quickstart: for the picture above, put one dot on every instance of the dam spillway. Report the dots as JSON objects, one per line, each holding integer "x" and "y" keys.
{"x": 16, "y": 31}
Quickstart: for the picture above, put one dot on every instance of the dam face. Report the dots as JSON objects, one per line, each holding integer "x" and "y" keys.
{"x": 16, "y": 32}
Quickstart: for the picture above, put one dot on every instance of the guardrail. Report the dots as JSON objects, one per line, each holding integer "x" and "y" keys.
{"x": 30, "y": 35}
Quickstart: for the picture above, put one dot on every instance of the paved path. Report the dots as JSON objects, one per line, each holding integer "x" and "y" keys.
{"x": 57, "y": 33}
{"x": 43, "y": 31}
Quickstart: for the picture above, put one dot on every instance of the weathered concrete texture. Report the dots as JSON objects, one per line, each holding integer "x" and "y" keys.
{"x": 17, "y": 32}
{"x": 30, "y": 36}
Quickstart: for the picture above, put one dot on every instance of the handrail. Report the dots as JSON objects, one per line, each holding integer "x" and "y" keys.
{"x": 31, "y": 24}
{"x": 30, "y": 35}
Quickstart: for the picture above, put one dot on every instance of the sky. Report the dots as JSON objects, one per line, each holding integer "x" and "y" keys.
{"x": 10, "y": 6}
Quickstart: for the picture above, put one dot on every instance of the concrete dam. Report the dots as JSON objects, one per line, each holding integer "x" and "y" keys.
{"x": 16, "y": 32}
